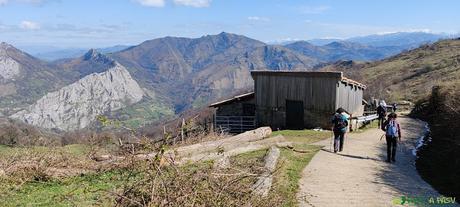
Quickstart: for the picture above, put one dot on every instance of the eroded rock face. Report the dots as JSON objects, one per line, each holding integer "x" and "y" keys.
{"x": 75, "y": 106}
{"x": 9, "y": 68}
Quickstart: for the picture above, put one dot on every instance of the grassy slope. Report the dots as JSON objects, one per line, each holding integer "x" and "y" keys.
{"x": 87, "y": 190}
{"x": 92, "y": 189}
{"x": 74, "y": 149}
{"x": 144, "y": 112}
{"x": 409, "y": 75}
{"x": 55, "y": 192}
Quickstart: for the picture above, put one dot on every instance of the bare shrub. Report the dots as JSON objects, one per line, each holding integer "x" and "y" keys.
{"x": 19, "y": 134}
{"x": 41, "y": 164}
{"x": 159, "y": 182}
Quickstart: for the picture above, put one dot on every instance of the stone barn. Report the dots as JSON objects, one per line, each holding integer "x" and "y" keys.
{"x": 294, "y": 100}
{"x": 236, "y": 114}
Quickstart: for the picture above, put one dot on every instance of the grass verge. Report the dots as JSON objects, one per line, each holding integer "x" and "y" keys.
{"x": 88, "y": 190}
{"x": 303, "y": 136}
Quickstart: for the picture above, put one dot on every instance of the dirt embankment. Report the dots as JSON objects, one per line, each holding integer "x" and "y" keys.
{"x": 439, "y": 161}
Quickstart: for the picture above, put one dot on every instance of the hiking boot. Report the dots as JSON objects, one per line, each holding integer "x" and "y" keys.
{"x": 393, "y": 160}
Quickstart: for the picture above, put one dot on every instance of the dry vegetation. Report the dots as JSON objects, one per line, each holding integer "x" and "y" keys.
{"x": 439, "y": 161}
{"x": 70, "y": 171}
{"x": 14, "y": 133}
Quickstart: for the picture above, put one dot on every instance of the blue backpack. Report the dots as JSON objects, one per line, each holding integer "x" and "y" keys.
{"x": 392, "y": 128}
{"x": 340, "y": 122}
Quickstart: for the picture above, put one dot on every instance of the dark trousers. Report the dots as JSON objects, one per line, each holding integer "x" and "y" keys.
{"x": 381, "y": 121}
{"x": 391, "y": 147}
{"x": 338, "y": 141}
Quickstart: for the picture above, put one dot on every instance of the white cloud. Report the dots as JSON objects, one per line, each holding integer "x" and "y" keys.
{"x": 193, "y": 3}
{"x": 405, "y": 30}
{"x": 29, "y": 25}
{"x": 256, "y": 18}
{"x": 314, "y": 9}
{"x": 152, "y": 3}
{"x": 283, "y": 40}
{"x": 3, "y": 2}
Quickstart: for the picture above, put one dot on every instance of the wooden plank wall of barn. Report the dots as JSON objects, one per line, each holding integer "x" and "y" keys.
{"x": 350, "y": 98}
{"x": 317, "y": 93}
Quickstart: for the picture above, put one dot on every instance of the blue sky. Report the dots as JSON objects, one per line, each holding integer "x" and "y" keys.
{"x": 100, "y": 23}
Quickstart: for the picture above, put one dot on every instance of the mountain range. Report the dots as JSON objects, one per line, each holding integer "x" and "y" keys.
{"x": 342, "y": 50}
{"x": 409, "y": 75}
{"x": 397, "y": 41}
{"x": 173, "y": 73}
{"x": 154, "y": 80}
{"x": 405, "y": 39}
{"x": 52, "y": 54}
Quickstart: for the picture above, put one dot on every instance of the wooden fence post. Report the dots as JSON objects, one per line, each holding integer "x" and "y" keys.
{"x": 212, "y": 123}
{"x": 182, "y": 130}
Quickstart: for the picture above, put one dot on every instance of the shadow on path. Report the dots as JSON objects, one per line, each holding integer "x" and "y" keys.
{"x": 353, "y": 156}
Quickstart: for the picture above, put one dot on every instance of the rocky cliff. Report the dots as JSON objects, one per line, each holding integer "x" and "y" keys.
{"x": 24, "y": 79}
{"x": 76, "y": 105}
{"x": 9, "y": 68}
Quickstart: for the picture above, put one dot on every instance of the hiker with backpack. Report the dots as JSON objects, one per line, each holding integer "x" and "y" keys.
{"x": 381, "y": 112}
{"x": 340, "y": 124}
{"x": 392, "y": 133}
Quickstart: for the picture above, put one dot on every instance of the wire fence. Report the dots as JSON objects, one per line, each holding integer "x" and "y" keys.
{"x": 235, "y": 124}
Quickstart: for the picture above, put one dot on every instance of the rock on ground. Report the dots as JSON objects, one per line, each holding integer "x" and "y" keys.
{"x": 264, "y": 183}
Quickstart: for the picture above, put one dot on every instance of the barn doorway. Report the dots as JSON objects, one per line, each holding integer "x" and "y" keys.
{"x": 294, "y": 114}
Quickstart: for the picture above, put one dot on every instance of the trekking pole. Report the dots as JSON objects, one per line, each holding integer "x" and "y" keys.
{"x": 345, "y": 141}
{"x": 332, "y": 140}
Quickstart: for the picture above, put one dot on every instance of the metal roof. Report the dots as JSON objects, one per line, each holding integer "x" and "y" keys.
{"x": 297, "y": 73}
{"x": 353, "y": 82}
{"x": 233, "y": 99}
{"x": 332, "y": 74}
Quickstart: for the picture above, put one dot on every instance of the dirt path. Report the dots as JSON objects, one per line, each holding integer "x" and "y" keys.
{"x": 359, "y": 176}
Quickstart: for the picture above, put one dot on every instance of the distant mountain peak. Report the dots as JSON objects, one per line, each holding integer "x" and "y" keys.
{"x": 302, "y": 43}
{"x": 10, "y": 51}
{"x": 226, "y": 34}
{"x": 94, "y": 55}
{"x": 341, "y": 44}
{"x": 5, "y": 46}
